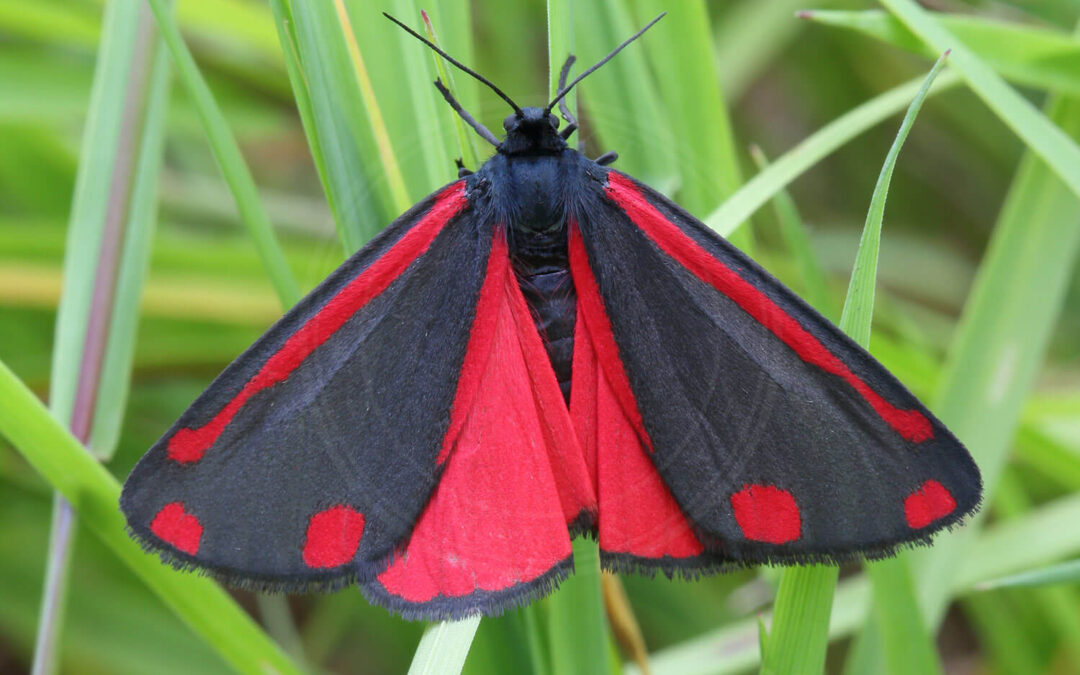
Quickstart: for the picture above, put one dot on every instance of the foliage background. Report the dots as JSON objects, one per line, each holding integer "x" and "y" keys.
{"x": 207, "y": 294}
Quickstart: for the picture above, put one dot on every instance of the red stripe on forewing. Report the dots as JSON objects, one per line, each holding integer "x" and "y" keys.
{"x": 189, "y": 445}
{"x": 910, "y": 424}
{"x": 591, "y": 305}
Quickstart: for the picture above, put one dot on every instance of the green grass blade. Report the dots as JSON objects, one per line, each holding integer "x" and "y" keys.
{"x": 1028, "y": 55}
{"x": 804, "y": 601}
{"x": 578, "y": 633}
{"x": 859, "y": 305}
{"x": 444, "y": 647}
{"x": 792, "y": 164}
{"x": 1048, "y": 141}
{"x": 94, "y": 493}
{"x": 701, "y": 135}
{"x": 352, "y": 170}
{"x": 797, "y": 240}
{"x": 1063, "y": 573}
{"x": 621, "y": 98}
{"x": 465, "y": 134}
{"x": 227, "y": 152}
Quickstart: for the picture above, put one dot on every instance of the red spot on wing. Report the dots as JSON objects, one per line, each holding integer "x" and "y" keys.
{"x": 176, "y": 526}
{"x": 910, "y": 424}
{"x": 929, "y": 503}
{"x": 638, "y": 514}
{"x": 513, "y": 474}
{"x": 189, "y": 445}
{"x": 333, "y": 536}
{"x": 767, "y": 513}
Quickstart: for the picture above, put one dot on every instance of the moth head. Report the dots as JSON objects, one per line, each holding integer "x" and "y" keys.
{"x": 535, "y": 130}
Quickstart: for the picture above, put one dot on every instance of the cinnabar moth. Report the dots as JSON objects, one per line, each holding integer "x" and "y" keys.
{"x": 543, "y": 348}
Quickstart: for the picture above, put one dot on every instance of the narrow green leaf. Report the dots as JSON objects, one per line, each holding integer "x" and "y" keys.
{"x": 94, "y": 493}
{"x": 804, "y": 602}
{"x": 797, "y": 239}
{"x": 792, "y": 164}
{"x": 443, "y": 648}
{"x": 1063, "y": 573}
{"x": 859, "y": 305}
{"x": 1048, "y": 141}
{"x": 800, "y": 627}
{"x": 465, "y": 135}
{"x": 577, "y": 628}
{"x": 1026, "y": 54}
{"x": 700, "y": 128}
{"x": 352, "y": 172}
{"x": 230, "y": 159}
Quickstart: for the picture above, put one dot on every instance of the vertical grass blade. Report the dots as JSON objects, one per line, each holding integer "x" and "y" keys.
{"x": 1054, "y": 146}
{"x": 799, "y": 635}
{"x": 444, "y": 647}
{"x": 797, "y": 240}
{"x": 464, "y": 134}
{"x": 231, "y": 160}
{"x": 109, "y": 233}
{"x": 577, "y": 628}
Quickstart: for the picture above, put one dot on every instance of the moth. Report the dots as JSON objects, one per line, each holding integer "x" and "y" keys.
{"x": 541, "y": 349}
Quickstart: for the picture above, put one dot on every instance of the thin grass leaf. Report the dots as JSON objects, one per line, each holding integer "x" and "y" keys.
{"x": 804, "y": 601}
{"x": 352, "y": 174}
{"x": 792, "y": 164}
{"x": 1047, "y": 140}
{"x": 94, "y": 493}
{"x": 227, "y": 152}
{"x": 443, "y": 648}
{"x": 1063, "y": 573}
{"x": 998, "y": 348}
{"x": 1028, "y": 55}
{"x": 701, "y": 135}
{"x": 394, "y": 178}
{"x": 797, "y": 240}
{"x": 465, "y": 135}
{"x": 579, "y": 639}
{"x": 97, "y": 338}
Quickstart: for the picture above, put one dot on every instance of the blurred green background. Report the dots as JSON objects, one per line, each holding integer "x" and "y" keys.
{"x": 207, "y": 294}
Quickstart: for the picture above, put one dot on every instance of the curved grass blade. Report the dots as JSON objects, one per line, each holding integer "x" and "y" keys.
{"x": 792, "y": 164}
{"x": 93, "y": 492}
{"x": 799, "y": 634}
{"x": 444, "y": 647}
{"x": 1063, "y": 573}
{"x": 227, "y": 152}
{"x": 1047, "y": 140}
{"x": 1028, "y": 55}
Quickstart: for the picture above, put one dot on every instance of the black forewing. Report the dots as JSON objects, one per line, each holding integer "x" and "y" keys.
{"x": 728, "y": 405}
{"x": 359, "y": 422}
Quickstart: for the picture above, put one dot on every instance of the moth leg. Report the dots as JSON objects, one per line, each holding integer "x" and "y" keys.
{"x": 607, "y": 158}
{"x": 461, "y": 170}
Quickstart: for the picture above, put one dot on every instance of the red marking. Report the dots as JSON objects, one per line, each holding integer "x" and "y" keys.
{"x": 910, "y": 424}
{"x": 333, "y": 536}
{"x": 189, "y": 445}
{"x": 178, "y": 527}
{"x": 591, "y": 305}
{"x": 512, "y": 474}
{"x": 767, "y": 513}
{"x": 931, "y": 502}
{"x": 637, "y": 515}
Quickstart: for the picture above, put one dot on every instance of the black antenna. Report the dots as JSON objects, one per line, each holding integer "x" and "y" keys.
{"x": 566, "y": 90}
{"x": 462, "y": 66}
